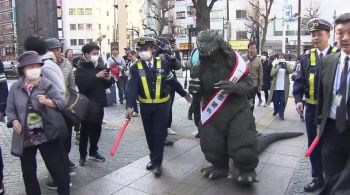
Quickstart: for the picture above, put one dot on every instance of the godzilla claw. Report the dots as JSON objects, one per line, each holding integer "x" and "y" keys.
{"x": 213, "y": 172}
{"x": 248, "y": 178}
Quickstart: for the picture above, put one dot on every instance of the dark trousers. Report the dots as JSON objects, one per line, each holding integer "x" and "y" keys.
{"x": 135, "y": 107}
{"x": 155, "y": 120}
{"x": 279, "y": 102}
{"x": 251, "y": 98}
{"x": 258, "y": 93}
{"x": 67, "y": 143}
{"x": 112, "y": 98}
{"x": 311, "y": 129}
{"x": 266, "y": 93}
{"x": 1, "y": 168}
{"x": 121, "y": 84}
{"x": 170, "y": 118}
{"x": 336, "y": 159}
{"x": 89, "y": 131}
{"x": 53, "y": 155}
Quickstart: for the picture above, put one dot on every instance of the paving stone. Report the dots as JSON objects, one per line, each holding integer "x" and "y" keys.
{"x": 181, "y": 189}
{"x": 194, "y": 157}
{"x": 289, "y": 150}
{"x": 129, "y": 191}
{"x": 100, "y": 186}
{"x": 283, "y": 160}
{"x": 194, "y": 179}
{"x": 126, "y": 175}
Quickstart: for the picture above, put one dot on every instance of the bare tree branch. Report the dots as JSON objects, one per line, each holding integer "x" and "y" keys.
{"x": 149, "y": 28}
{"x": 212, "y": 4}
{"x": 313, "y": 11}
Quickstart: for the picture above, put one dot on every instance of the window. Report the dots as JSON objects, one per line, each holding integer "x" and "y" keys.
{"x": 71, "y": 11}
{"x": 241, "y": 14}
{"x": 241, "y": 35}
{"x": 191, "y": 10}
{"x": 107, "y": 13}
{"x": 80, "y": 26}
{"x": 81, "y": 41}
{"x": 109, "y": 41}
{"x": 88, "y": 11}
{"x": 180, "y": 15}
{"x": 73, "y": 42}
{"x": 107, "y": 27}
{"x": 59, "y": 12}
{"x": 88, "y": 26}
{"x": 99, "y": 26}
{"x": 73, "y": 27}
{"x": 80, "y": 11}
{"x": 88, "y": 40}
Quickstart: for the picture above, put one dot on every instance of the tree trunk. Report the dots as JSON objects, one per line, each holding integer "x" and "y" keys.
{"x": 263, "y": 38}
{"x": 203, "y": 16}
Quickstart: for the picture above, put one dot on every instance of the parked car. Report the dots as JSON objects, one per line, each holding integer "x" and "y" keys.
{"x": 10, "y": 69}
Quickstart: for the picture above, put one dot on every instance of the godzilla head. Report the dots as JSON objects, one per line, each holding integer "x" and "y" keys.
{"x": 209, "y": 42}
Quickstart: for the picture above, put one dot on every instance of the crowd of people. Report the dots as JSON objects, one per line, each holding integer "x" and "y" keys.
{"x": 147, "y": 75}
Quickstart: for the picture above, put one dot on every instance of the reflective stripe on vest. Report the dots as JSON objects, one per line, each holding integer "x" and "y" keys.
{"x": 148, "y": 98}
{"x": 2, "y": 77}
{"x": 312, "y": 99}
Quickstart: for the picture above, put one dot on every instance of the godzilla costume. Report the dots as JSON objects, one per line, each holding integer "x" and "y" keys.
{"x": 231, "y": 131}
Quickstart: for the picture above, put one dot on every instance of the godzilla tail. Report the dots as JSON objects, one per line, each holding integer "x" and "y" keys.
{"x": 265, "y": 140}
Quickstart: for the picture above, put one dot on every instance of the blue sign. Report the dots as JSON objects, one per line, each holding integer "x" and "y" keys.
{"x": 287, "y": 13}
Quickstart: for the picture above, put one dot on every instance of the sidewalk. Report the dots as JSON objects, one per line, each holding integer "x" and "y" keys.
{"x": 282, "y": 168}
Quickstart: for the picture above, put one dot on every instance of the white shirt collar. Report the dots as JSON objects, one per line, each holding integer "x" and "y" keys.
{"x": 324, "y": 52}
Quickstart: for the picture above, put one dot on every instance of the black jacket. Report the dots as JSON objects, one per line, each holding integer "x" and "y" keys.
{"x": 267, "y": 66}
{"x": 93, "y": 88}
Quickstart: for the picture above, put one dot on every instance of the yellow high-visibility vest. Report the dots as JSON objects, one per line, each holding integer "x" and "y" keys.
{"x": 157, "y": 98}
{"x": 312, "y": 96}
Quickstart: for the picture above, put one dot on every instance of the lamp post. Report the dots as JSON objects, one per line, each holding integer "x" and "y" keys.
{"x": 99, "y": 40}
{"x": 299, "y": 27}
{"x": 192, "y": 31}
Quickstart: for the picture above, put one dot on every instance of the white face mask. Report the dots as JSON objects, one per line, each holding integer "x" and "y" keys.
{"x": 263, "y": 58}
{"x": 94, "y": 59}
{"x": 145, "y": 55}
{"x": 32, "y": 74}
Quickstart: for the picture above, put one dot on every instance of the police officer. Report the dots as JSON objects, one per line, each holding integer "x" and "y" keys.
{"x": 150, "y": 79}
{"x": 306, "y": 83}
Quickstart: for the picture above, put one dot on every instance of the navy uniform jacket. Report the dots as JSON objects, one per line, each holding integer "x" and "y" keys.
{"x": 135, "y": 88}
{"x": 301, "y": 83}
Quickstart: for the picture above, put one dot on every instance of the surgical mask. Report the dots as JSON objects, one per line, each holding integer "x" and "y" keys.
{"x": 145, "y": 55}
{"x": 33, "y": 73}
{"x": 94, "y": 60}
{"x": 263, "y": 58}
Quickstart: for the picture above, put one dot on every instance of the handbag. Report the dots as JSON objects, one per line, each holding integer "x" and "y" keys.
{"x": 55, "y": 127}
{"x": 76, "y": 106}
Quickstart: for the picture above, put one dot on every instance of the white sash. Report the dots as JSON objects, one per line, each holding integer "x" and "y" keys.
{"x": 217, "y": 101}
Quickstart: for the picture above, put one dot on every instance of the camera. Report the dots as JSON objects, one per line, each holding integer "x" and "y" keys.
{"x": 108, "y": 70}
{"x": 282, "y": 65}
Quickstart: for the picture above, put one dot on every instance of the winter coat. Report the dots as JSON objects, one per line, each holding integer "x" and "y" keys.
{"x": 274, "y": 73}
{"x": 3, "y": 88}
{"x": 17, "y": 106}
{"x": 93, "y": 88}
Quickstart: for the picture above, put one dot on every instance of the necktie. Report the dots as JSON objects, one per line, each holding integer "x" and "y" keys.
{"x": 341, "y": 109}
{"x": 149, "y": 65}
{"x": 321, "y": 56}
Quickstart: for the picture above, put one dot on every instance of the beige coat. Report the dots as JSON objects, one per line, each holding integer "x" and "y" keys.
{"x": 274, "y": 72}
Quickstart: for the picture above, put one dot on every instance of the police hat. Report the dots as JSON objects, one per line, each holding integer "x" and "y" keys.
{"x": 145, "y": 42}
{"x": 53, "y": 43}
{"x": 319, "y": 24}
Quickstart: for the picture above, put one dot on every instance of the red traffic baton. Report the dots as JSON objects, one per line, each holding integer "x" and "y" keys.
{"x": 312, "y": 146}
{"x": 119, "y": 137}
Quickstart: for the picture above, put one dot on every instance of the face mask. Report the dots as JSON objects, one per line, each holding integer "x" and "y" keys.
{"x": 94, "y": 60}
{"x": 263, "y": 58}
{"x": 32, "y": 74}
{"x": 145, "y": 55}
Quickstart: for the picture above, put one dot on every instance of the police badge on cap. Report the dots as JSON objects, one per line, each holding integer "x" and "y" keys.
{"x": 319, "y": 24}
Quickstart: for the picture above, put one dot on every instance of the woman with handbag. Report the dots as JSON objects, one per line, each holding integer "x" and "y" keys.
{"x": 32, "y": 100}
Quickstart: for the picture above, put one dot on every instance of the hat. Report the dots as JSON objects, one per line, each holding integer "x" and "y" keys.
{"x": 53, "y": 43}
{"x": 319, "y": 24}
{"x": 29, "y": 58}
{"x": 127, "y": 48}
{"x": 144, "y": 42}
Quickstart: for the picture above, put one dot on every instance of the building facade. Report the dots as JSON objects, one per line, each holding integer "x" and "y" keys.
{"x": 7, "y": 30}
{"x": 88, "y": 21}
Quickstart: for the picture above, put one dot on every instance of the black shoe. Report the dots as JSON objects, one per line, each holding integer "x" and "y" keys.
{"x": 72, "y": 165}
{"x": 189, "y": 116}
{"x": 168, "y": 143}
{"x": 274, "y": 113}
{"x": 314, "y": 185}
{"x": 97, "y": 157}
{"x": 157, "y": 172}
{"x": 82, "y": 162}
{"x": 150, "y": 166}
{"x": 2, "y": 189}
{"x": 51, "y": 185}
{"x": 281, "y": 118}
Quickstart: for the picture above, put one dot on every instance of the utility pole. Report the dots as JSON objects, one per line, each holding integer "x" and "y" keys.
{"x": 228, "y": 21}
{"x": 299, "y": 28}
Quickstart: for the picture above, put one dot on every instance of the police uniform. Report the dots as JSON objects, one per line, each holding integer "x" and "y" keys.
{"x": 150, "y": 82}
{"x": 306, "y": 85}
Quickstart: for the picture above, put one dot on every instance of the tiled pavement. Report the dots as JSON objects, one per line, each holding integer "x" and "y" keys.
{"x": 282, "y": 168}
